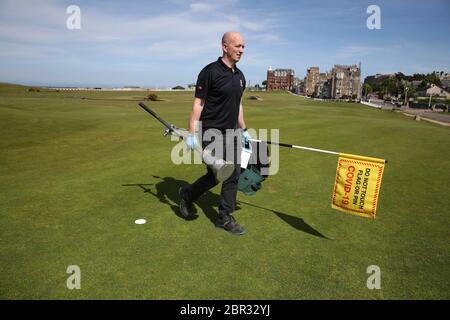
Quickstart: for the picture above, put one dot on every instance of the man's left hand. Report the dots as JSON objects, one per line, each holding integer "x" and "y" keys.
{"x": 246, "y": 139}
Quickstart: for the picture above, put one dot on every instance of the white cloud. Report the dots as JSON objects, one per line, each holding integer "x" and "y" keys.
{"x": 358, "y": 51}
{"x": 202, "y": 7}
{"x": 45, "y": 24}
{"x": 255, "y": 60}
{"x": 38, "y": 33}
{"x": 44, "y": 13}
{"x": 267, "y": 37}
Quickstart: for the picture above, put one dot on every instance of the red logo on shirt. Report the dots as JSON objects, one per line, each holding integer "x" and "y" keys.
{"x": 199, "y": 87}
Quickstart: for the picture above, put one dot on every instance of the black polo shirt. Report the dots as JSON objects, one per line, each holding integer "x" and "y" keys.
{"x": 221, "y": 89}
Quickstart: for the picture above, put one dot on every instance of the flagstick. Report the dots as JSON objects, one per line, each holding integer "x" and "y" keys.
{"x": 294, "y": 146}
{"x": 299, "y": 147}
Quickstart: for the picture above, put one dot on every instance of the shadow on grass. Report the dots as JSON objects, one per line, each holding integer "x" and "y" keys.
{"x": 167, "y": 193}
{"x": 295, "y": 222}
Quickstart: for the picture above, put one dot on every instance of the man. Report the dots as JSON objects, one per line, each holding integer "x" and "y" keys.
{"x": 218, "y": 106}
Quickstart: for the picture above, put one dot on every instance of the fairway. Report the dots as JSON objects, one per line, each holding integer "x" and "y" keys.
{"x": 78, "y": 168}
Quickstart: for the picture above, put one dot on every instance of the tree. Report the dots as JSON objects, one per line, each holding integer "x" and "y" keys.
{"x": 422, "y": 86}
{"x": 400, "y": 76}
{"x": 407, "y": 87}
{"x": 428, "y": 80}
{"x": 432, "y": 78}
{"x": 389, "y": 86}
{"x": 367, "y": 88}
{"x": 418, "y": 76}
{"x": 264, "y": 83}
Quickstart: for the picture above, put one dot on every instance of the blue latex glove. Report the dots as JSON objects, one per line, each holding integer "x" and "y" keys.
{"x": 191, "y": 141}
{"x": 246, "y": 140}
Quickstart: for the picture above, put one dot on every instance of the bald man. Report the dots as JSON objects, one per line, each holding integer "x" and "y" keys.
{"x": 218, "y": 107}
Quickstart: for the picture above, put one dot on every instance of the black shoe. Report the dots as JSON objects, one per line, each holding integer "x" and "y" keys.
{"x": 186, "y": 208}
{"x": 229, "y": 223}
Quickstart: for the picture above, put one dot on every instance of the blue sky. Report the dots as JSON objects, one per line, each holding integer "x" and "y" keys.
{"x": 167, "y": 43}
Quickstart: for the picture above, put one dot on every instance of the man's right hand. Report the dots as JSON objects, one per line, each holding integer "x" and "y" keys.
{"x": 191, "y": 141}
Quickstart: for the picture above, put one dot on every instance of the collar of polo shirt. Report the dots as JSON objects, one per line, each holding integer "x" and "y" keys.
{"x": 225, "y": 66}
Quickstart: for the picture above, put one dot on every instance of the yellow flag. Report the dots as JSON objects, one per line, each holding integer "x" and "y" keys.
{"x": 357, "y": 186}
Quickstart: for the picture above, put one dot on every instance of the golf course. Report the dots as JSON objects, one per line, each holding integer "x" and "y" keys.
{"x": 78, "y": 168}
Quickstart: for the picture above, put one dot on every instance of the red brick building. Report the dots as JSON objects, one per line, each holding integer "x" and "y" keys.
{"x": 280, "y": 79}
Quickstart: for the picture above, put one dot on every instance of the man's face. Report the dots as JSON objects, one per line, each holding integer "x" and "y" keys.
{"x": 234, "y": 47}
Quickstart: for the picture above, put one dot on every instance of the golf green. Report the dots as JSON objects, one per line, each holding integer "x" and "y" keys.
{"x": 78, "y": 168}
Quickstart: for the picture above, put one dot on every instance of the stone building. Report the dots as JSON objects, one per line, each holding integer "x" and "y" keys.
{"x": 346, "y": 81}
{"x": 437, "y": 91}
{"x": 322, "y": 88}
{"x": 311, "y": 79}
{"x": 317, "y": 84}
{"x": 445, "y": 79}
{"x": 280, "y": 79}
{"x": 298, "y": 86}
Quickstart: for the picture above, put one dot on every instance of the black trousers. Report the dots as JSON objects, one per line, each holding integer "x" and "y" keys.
{"x": 231, "y": 151}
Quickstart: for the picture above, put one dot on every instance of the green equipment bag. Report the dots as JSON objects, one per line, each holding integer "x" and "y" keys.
{"x": 250, "y": 180}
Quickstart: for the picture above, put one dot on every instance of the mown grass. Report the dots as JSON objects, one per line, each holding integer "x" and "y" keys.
{"x": 76, "y": 173}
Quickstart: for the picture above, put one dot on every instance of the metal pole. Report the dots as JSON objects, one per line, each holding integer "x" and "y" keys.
{"x": 294, "y": 146}
{"x": 406, "y": 95}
